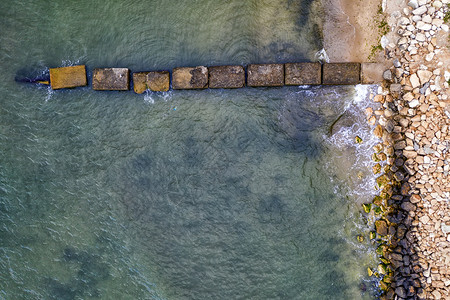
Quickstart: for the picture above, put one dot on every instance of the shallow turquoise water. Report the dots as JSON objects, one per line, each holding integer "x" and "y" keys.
{"x": 236, "y": 194}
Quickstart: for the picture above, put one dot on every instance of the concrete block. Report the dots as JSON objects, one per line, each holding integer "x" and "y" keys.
{"x": 157, "y": 81}
{"x": 68, "y": 77}
{"x": 111, "y": 79}
{"x": 341, "y": 73}
{"x": 190, "y": 78}
{"x": 140, "y": 82}
{"x": 372, "y": 73}
{"x": 265, "y": 75}
{"x": 226, "y": 77}
{"x": 303, "y": 74}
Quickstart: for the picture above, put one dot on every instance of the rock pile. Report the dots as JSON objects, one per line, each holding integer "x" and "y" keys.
{"x": 413, "y": 122}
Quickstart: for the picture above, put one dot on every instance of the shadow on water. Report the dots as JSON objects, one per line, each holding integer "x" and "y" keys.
{"x": 32, "y": 74}
{"x": 91, "y": 271}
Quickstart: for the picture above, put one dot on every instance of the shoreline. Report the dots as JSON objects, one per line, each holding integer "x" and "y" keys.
{"x": 413, "y": 120}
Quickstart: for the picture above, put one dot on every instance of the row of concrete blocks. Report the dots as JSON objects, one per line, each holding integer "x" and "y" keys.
{"x": 227, "y": 77}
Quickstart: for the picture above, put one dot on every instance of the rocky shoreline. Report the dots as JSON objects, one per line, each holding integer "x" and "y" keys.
{"x": 412, "y": 119}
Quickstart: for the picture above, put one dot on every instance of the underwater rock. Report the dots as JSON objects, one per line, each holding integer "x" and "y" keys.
{"x": 186, "y": 78}
{"x": 111, "y": 79}
{"x": 341, "y": 73}
{"x": 265, "y": 75}
{"x": 303, "y": 74}
{"x": 68, "y": 77}
{"x": 226, "y": 77}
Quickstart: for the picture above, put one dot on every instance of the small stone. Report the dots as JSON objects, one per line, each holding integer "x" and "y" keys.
{"x": 415, "y": 198}
{"x": 358, "y": 140}
{"x": 414, "y": 81}
{"x": 421, "y": 37}
{"x": 424, "y": 76}
{"x": 400, "y": 291}
{"x": 420, "y": 10}
{"x": 409, "y": 153}
{"x": 423, "y": 26}
{"x": 395, "y": 88}
{"x": 445, "y": 228}
{"x": 387, "y": 75}
{"x": 376, "y": 169}
{"x": 437, "y": 4}
{"x": 413, "y": 4}
{"x": 436, "y": 294}
{"x": 414, "y": 103}
{"x": 378, "y": 131}
{"x": 424, "y": 219}
{"x": 405, "y": 189}
{"x": 399, "y": 176}
{"x": 408, "y": 206}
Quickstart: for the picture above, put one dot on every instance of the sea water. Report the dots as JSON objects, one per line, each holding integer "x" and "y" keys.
{"x": 252, "y": 193}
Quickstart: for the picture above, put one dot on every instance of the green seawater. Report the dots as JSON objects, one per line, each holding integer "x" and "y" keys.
{"x": 217, "y": 194}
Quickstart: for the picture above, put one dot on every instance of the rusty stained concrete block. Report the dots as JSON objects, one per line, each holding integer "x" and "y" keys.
{"x": 226, "y": 77}
{"x": 190, "y": 78}
{"x": 265, "y": 75}
{"x": 156, "y": 81}
{"x": 341, "y": 73}
{"x": 111, "y": 79}
{"x": 68, "y": 77}
{"x": 303, "y": 74}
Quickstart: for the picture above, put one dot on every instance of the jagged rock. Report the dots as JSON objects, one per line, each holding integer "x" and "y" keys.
{"x": 415, "y": 198}
{"x": 415, "y": 82}
{"x": 399, "y": 176}
{"x": 387, "y": 75}
{"x": 405, "y": 189}
{"x": 424, "y": 76}
{"x": 378, "y": 131}
{"x": 408, "y": 206}
{"x": 381, "y": 227}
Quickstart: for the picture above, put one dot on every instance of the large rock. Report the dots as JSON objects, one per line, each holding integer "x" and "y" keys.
{"x": 68, "y": 77}
{"x": 190, "y": 78}
{"x": 341, "y": 73}
{"x": 303, "y": 74}
{"x": 381, "y": 227}
{"x": 154, "y": 81}
{"x": 226, "y": 77}
{"x": 111, "y": 79}
{"x": 265, "y": 75}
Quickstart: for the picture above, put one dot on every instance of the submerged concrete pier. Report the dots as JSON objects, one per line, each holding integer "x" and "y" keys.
{"x": 225, "y": 77}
